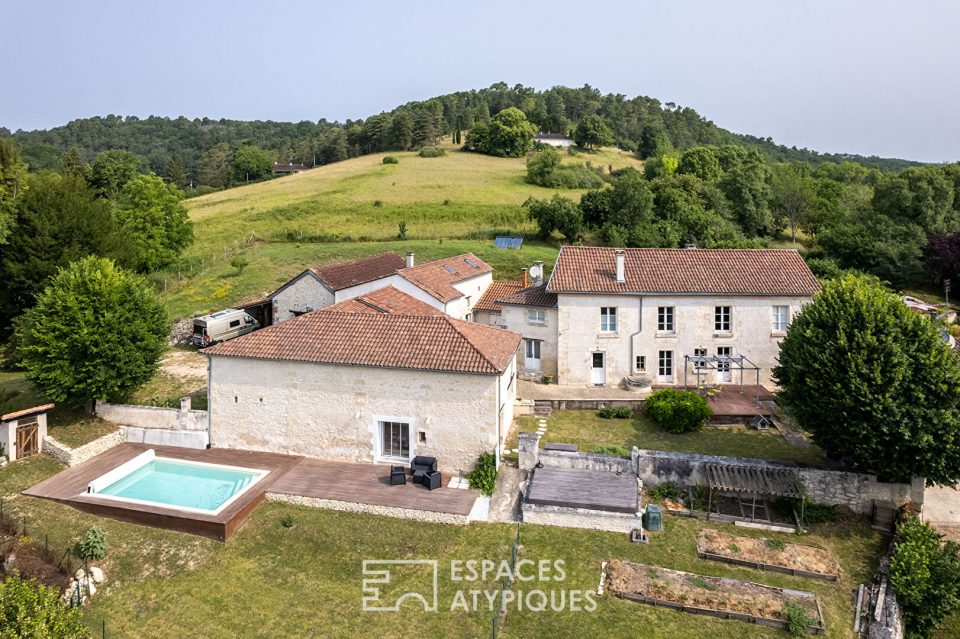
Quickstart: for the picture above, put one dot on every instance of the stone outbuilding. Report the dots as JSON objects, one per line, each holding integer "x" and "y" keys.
{"x": 22, "y": 432}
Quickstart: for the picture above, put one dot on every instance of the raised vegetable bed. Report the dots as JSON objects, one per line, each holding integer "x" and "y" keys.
{"x": 718, "y": 597}
{"x": 768, "y": 554}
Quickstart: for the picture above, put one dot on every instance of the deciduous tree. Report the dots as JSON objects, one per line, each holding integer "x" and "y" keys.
{"x": 154, "y": 221}
{"x": 250, "y": 163}
{"x": 111, "y": 170}
{"x": 593, "y": 132}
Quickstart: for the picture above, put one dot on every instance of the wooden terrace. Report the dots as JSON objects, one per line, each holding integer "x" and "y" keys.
{"x": 589, "y": 489}
{"x": 289, "y": 475}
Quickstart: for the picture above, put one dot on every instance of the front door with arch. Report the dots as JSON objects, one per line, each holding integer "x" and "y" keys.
{"x": 598, "y": 368}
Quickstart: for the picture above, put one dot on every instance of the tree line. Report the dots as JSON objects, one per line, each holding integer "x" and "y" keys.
{"x": 203, "y": 147}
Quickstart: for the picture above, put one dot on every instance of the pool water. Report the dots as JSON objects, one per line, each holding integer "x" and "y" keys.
{"x": 197, "y": 486}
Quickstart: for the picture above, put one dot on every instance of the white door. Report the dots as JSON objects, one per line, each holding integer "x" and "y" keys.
{"x": 723, "y": 368}
{"x": 531, "y": 359}
{"x": 665, "y": 367}
{"x": 598, "y": 370}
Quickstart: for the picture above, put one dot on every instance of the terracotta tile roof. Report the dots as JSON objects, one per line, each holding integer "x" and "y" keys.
{"x": 588, "y": 269}
{"x": 25, "y": 412}
{"x": 436, "y": 342}
{"x": 531, "y": 296}
{"x": 496, "y": 290}
{"x": 384, "y": 300}
{"x": 438, "y": 277}
{"x": 346, "y": 274}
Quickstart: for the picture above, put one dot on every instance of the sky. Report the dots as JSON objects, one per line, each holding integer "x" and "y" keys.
{"x": 875, "y": 78}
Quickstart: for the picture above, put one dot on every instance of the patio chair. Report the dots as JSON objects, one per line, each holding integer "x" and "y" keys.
{"x": 421, "y": 462}
{"x": 398, "y": 476}
{"x": 433, "y": 480}
{"x": 419, "y": 475}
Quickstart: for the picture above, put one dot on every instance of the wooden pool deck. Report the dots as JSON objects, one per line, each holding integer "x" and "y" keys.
{"x": 289, "y": 475}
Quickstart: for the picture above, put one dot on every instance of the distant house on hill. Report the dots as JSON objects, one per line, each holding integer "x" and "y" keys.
{"x": 554, "y": 139}
{"x": 283, "y": 169}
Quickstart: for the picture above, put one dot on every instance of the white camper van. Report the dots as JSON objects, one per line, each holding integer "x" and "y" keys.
{"x": 221, "y": 326}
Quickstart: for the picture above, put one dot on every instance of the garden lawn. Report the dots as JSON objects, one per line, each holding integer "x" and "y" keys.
{"x": 586, "y": 429}
{"x": 305, "y": 581}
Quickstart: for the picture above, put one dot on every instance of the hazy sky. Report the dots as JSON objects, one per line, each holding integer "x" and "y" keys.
{"x": 872, "y": 77}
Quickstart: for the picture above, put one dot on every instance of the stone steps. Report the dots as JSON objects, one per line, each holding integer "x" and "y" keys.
{"x": 542, "y": 407}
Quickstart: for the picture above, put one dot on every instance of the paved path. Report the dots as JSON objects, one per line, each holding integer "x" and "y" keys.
{"x": 941, "y": 508}
{"x": 505, "y": 503}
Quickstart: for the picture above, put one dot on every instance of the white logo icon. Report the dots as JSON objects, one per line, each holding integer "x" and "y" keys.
{"x": 377, "y": 574}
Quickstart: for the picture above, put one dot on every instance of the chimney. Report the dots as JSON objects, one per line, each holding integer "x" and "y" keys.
{"x": 523, "y": 278}
{"x": 621, "y": 275}
{"x": 409, "y": 259}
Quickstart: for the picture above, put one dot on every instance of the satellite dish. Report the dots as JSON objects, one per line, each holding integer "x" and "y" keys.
{"x": 535, "y": 271}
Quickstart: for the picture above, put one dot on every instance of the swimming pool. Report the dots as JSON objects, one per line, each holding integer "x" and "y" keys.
{"x": 176, "y": 483}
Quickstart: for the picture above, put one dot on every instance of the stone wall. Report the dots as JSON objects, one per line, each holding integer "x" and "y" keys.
{"x": 154, "y": 416}
{"x": 371, "y": 509}
{"x": 856, "y": 491}
{"x": 167, "y": 437}
{"x": 580, "y": 518}
{"x": 73, "y": 456}
{"x": 306, "y": 291}
{"x": 515, "y": 319}
{"x": 530, "y": 453}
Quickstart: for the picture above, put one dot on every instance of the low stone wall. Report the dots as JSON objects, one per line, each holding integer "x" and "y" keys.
{"x": 594, "y": 404}
{"x": 530, "y": 453}
{"x": 856, "y": 491}
{"x": 154, "y": 416}
{"x": 580, "y": 518}
{"x": 371, "y": 509}
{"x": 73, "y": 456}
{"x": 166, "y": 437}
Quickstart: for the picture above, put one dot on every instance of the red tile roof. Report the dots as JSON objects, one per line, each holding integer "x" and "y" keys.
{"x": 436, "y": 342}
{"x": 496, "y": 290}
{"x": 384, "y": 300}
{"x": 531, "y": 296}
{"x": 590, "y": 269}
{"x": 346, "y": 274}
{"x": 438, "y": 277}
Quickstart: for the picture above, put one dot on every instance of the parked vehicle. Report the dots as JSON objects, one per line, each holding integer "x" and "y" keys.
{"x": 221, "y": 326}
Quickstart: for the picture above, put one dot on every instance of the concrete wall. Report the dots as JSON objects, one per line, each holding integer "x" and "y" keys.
{"x": 306, "y": 291}
{"x": 515, "y": 319}
{"x": 580, "y": 336}
{"x": 333, "y": 411}
{"x": 856, "y": 491}
{"x": 153, "y": 417}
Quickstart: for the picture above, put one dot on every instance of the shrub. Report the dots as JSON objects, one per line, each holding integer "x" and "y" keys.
{"x": 483, "y": 477}
{"x": 926, "y": 573}
{"x": 389, "y": 159}
{"x": 545, "y": 168}
{"x": 666, "y": 490}
{"x": 239, "y": 263}
{"x": 378, "y": 203}
{"x": 797, "y": 619}
{"x": 611, "y": 449}
{"x": 677, "y": 411}
{"x": 813, "y": 513}
{"x": 402, "y": 231}
{"x": 28, "y": 609}
{"x": 618, "y": 412}
{"x": 431, "y": 152}
{"x": 287, "y": 521}
{"x": 93, "y": 546}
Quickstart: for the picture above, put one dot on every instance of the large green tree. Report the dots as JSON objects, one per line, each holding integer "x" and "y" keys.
{"x": 509, "y": 134}
{"x": 250, "y": 163}
{"x": 593, "y": 132}
{"x": 873, "y": 382}
{"x": 155, "y": 222}
{"x": 174, "y": 171}
{"x": 13, "y": 174}
{"x": 213, "y": 168}
{"x": 96, "y": 332}
{"x": 793, "y": 195}
{"x": 111, "y": 170}
{"x": 58, "y": 220}
{"x": 558, "y": 214}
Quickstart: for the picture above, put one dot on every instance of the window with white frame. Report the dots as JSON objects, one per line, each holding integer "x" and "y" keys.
{"x": 665, "y": 319}
{"x": 536, "y": 316}
{"x": 721, "y": 319}
{"x": 781, "y": 318}
{"x": 395, "y": 440}
{"x": 608, "y": 319}
{"x": 698, "y": 355}
{"x": 665, "y": 365}
{"x": 641, "y": 363}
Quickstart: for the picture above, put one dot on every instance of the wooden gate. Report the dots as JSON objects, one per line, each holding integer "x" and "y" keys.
{"x": 28, "y": 440}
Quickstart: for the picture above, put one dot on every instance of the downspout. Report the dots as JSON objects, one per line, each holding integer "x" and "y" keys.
{"x": 209, "y": 404}
{"x": 633, "y": 356}
{"x": 497, "y": 409}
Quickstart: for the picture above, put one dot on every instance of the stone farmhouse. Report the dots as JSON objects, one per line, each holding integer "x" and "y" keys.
{"x": 380, "y": 377}
{"x": 606, "y": 314}
{"x": 452, "y": 285}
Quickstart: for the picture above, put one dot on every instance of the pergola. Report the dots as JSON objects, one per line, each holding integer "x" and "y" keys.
{"x": 703, "y": 363}
{"x": 753, "y": 482}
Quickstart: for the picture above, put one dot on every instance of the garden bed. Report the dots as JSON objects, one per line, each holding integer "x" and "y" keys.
{"x": 768, "y": 554}
{"x": 723, "y": 598}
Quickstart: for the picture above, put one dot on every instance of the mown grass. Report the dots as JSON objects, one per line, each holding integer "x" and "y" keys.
{"x": 272, "y": 264}
{"x": 586, "y": 429}
{"x": 306, "y": 581}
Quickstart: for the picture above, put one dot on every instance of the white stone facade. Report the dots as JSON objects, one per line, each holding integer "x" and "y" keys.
{"x": 518, "y": 320}
{"x": 335, "y": 411}
{"x": 580, "y": 335}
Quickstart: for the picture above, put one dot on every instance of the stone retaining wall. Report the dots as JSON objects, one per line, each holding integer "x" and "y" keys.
{"x": 154, "y": 416}
{"x": 580, "y": 518}
{"x": 530, "y": 453}
{"x": 167, "y": 437}
{"x": 73, "y": 456}
{"x": 353, "y": 507}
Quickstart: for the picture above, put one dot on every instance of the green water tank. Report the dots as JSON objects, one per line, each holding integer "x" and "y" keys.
{"x": 652, "y": 518}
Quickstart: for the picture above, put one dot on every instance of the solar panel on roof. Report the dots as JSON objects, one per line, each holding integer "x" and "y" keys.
{"x": 470, "y": 263}
{"x": 506, "y": 242}
{"x": 449, "y": 268}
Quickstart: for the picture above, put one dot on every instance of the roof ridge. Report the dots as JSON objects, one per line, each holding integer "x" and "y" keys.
{"x": 454, "y": 324}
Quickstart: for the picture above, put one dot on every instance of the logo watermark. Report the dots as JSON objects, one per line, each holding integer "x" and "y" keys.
{"x": 480, "y": 584}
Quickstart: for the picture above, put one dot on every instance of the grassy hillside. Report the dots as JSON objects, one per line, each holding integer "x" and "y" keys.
{"x": 451, "y": 204}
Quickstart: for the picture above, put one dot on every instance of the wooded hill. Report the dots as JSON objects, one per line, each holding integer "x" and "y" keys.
{"x": 201, "y": 143}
